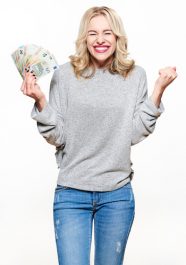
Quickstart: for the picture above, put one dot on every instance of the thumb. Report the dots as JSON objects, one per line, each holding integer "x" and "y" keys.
{"x": 174, "y": 67}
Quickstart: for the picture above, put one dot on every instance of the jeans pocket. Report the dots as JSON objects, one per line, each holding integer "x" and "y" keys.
{"x": 132, "y": 197}
{"x": 58, "y": 193}
{"x": 128, "y": 191}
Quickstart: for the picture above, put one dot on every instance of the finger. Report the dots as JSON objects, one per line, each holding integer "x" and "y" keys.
{"x": 172, "y": 73}
{"x": 29, "y": 84}
{"x": 26, "y": 69}
{"x": 174, "y": 76}
{"x": 26, "y": 74}
{"x": 32, "y": 91}
{"x": 174, "y": 68}
{"x": 32, "y": 74}
{"x": 171, "y": 76}
{"x": 160, "y": 71}
{"x": 24, "y": 89}
{"x": 167, "y": 69}
{"x": 33, "y": 83}
{"x": 30, "y": 88}
{"x": 171, "y": 70}
{"x": 167, "y": 73}
{"x": 28, "y": 80}
{"x": 23, "y": 85}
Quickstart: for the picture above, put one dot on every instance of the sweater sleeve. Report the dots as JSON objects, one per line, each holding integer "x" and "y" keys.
{"x": 50, "y": 121}
{"x": 146, "y": 113}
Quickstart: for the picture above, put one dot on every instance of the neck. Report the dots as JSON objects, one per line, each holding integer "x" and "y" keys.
{"x": 103, "y": 64}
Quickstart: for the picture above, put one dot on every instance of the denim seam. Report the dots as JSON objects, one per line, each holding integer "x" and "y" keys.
{"x": 89, "y": 234}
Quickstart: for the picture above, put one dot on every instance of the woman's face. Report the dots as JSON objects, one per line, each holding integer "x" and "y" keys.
{"x": 101, "y": 41}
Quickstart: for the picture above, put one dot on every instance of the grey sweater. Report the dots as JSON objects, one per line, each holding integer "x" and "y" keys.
{"x": 93, "y": 123}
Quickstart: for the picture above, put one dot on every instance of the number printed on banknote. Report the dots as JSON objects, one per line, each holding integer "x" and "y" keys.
{"x": 40, "y": 60}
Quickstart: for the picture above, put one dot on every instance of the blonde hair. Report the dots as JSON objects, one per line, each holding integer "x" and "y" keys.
{"x": 82, "y": 59}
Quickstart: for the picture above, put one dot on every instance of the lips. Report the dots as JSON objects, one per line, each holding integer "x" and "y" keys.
{"x": 101, "y": 49}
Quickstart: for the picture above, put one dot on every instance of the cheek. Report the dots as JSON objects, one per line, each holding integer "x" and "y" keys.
{"x": 89, "y": 49}
{"x": 89, "y": 46}
{"x": 114, "y": 46}
{"x": 113, "y": 41}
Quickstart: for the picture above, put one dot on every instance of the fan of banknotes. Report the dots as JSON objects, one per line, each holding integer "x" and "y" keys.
{"x": 39, "y": 60}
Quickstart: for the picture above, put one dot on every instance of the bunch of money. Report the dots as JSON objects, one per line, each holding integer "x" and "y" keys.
{"x": 38, "y": 59}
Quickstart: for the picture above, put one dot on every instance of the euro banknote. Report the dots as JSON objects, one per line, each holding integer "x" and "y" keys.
{"x": 40, "y": 60}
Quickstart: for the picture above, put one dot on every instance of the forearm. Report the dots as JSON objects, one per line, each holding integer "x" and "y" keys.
{"x": 156, "y": 95}
{"x": 40, "y": 104}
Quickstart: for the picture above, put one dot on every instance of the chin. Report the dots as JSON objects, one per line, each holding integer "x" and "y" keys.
{"x": 102, "y": 61}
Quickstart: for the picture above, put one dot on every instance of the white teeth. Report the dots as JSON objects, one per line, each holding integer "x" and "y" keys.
{"x": 101, "y": 48}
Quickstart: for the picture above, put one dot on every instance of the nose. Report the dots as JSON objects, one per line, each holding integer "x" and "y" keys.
{"x": 100, "y": 39}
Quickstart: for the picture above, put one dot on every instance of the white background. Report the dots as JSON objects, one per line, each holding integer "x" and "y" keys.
{"x": 28, "y": 170}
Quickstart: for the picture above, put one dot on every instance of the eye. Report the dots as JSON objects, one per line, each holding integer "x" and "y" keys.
{"x": 91, "y": 34}
{"x": 108, "y": 33}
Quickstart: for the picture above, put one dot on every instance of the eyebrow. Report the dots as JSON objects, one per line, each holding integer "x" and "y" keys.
{"x": 96, "y": 31}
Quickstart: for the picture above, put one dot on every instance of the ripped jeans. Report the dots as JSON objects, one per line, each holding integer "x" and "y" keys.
{"x": 74, "y": 211}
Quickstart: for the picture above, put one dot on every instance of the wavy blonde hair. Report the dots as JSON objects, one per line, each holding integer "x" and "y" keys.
{"x": 82, "y": 58}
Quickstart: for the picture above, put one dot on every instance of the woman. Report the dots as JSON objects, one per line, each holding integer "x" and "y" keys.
{"x": 98, "y": 108}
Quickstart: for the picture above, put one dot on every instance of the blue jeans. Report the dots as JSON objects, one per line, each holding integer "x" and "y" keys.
{"x": 74, "y": 211}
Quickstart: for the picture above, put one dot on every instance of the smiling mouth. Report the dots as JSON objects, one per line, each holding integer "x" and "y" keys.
{"x": 101, "y": 49}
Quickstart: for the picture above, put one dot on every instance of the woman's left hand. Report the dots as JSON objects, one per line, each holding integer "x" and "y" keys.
{"x": 166, "y": 76}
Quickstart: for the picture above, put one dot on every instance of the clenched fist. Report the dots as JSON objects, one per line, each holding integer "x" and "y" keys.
{"x": 166, "y": 76}
{"x": 30, "y": 88}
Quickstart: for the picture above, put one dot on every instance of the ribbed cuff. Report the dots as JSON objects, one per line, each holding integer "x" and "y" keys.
{"x": 153, "y": 109}
{"x": 47, "y": 116}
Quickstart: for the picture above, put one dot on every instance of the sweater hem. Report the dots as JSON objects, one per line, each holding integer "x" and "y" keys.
{"x": 85, "y": 187}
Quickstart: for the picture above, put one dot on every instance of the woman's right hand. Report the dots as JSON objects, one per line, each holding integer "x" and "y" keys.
{"x": 30, "y": 88}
